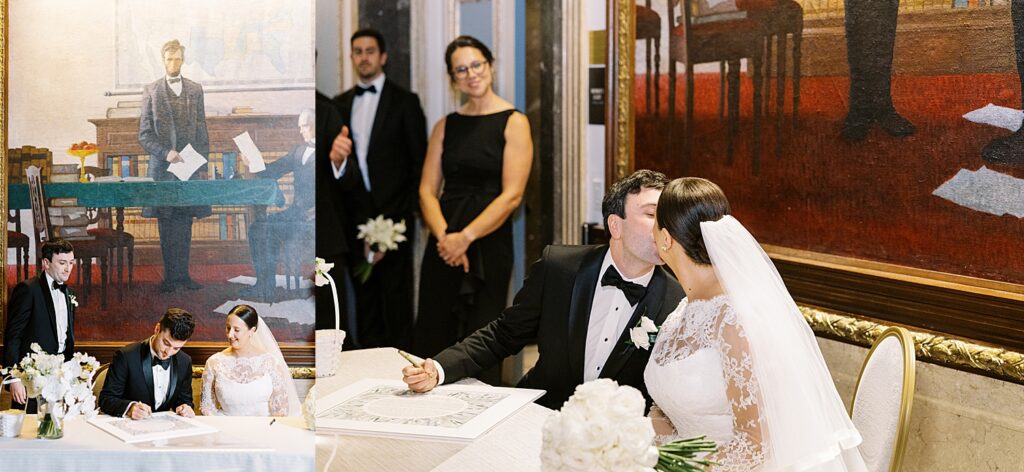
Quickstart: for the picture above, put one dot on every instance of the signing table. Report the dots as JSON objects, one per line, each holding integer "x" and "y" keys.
{"x": 152, "y": 194}
{"x": 242, "y": 444}
{"x": 512, "y": 445}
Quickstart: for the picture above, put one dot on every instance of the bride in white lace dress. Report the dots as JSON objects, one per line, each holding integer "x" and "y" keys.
{"x": 249, "y": 378}
{"x": 736, "y": 361}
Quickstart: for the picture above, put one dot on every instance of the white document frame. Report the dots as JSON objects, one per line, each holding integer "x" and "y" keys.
{"x": 514, "y": 399}
{"x": 110, "y": 425}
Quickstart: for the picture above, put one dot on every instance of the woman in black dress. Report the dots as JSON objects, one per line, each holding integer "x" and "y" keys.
{"x": 482, "y": 154}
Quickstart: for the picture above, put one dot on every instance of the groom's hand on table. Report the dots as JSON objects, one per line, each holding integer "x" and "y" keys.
{"x": 139, "y": 411}
{"x": 420, "y": 379}
{"x": 185, "y": 410}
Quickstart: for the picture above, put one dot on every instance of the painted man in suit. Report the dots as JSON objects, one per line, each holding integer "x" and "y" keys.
{"x": 173, "y": 117}
{"x": 870, "y": 40}
{"x": 269, "y": 232}
{"x": 42, "y": 311}
{"x": 383, "y": 142}
{"x": 1009, "y": 150}
{"x": 578, "y": 303}
{"x": 152, "y": 375}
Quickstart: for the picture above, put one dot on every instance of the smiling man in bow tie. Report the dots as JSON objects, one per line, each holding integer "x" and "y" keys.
{"x": 41, "y": 310}
{"x": 154, "y": 374}
{"x": 377, "y": 158}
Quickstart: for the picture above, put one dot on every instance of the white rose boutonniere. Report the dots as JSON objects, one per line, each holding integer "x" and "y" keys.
{"x": 73, "y": 300}
{"x": 644, "y": 334}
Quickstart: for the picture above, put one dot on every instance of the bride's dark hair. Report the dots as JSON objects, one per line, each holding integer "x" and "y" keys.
{"x": 247, "y": 314}
{"x": 685, "y": 203}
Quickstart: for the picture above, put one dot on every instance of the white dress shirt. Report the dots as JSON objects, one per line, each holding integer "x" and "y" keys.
{"x": 310, "y": 149}
{"x": 60, "y": 309}
{"x": 609, "y": 314}
{"x": 364, "y": 112}
{"x": 176, "y": 86}
{"x": 161, "y": 380}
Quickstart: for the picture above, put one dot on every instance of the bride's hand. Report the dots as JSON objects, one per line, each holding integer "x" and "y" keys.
{"x": 185, "y": 410}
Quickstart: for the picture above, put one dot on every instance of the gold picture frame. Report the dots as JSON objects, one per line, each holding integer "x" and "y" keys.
{"x": 299, "y": 355}
{"x": 962, "y": 322}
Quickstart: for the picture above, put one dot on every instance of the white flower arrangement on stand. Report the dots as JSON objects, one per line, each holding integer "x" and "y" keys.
{"x": 328, "y": 341}
{"x": 602, "y": 427}
{"x": 63, "y": 389}
{"x": 382, "y": 235}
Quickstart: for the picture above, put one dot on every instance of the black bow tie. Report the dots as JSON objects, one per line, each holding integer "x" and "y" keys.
{"x": 362, "y": 90}
{"x": 633, "y": 292}
{"x": 174, "y": 80}
{"x": 59, "y": 286}
{"x": 165, "y": 363}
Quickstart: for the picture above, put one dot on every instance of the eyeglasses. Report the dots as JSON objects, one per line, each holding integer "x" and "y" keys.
{"x": 462, "y": 72}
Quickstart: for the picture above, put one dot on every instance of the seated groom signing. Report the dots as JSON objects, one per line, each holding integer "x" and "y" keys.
{"x": 152, "y": 375}
{"x": 579, "y": 304}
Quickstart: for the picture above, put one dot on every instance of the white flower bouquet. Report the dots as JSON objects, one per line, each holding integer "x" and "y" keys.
{"x": 603, "y": 427}
{"x": 64, "y": 387}
{"x": 382, "y": 235}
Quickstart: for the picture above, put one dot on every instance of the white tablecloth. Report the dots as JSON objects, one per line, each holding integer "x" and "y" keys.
{"x": 242, "y": 444}
{"x": 512, "y": 445}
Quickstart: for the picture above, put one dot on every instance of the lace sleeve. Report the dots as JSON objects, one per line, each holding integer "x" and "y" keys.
{"x": 747, "y": 448}
{"x": 279, "y": 374}
{"x": 208, "y": 402}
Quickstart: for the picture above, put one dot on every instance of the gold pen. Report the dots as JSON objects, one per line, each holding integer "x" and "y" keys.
{"x": 413, "y": 361}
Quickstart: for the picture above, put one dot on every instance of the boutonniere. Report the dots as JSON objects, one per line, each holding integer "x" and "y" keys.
{"x": 644, "y": 334}
{"x": 73, "y": 300}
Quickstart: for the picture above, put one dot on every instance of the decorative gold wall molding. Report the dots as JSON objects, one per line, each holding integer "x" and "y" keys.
{"x": 303, "y": 373}
{"x": 956, "y": 353}
{"x": 3, "y": 157}
{"x": 619, "y": 89}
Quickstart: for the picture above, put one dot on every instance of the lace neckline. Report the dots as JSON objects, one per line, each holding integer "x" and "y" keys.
{"x": 713, "y": 301}
{"x": 236, "y": 357}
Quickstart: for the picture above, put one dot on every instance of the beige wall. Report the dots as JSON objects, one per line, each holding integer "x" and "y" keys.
{"x": 959, "y": 421}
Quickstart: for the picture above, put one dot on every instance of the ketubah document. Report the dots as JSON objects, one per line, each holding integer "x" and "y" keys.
{"x": 448, "y": 412}
{"x": 164, "y": 425}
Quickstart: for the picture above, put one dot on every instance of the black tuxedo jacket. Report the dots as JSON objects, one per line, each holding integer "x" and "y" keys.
{"x": 553, "y": 307}
{"x": 130, "y": 379}
{"x": 330, "y": 232}
{"x": 398, "y": 144}
{"x": 31, "y": 318}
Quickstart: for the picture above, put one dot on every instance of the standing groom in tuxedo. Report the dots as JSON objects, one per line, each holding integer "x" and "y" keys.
{"x": 579, "y": 303}
{"x": 382, "y": 144}
{"x": 42, "y": 311}
{"x": 152, "y": 375}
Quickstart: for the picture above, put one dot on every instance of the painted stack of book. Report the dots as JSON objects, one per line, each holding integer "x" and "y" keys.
{"x": 64, "y": 172}
{"x": 69, "y": 220}
{"x": 126, "y": 109}
{"x": 19, "y": 159}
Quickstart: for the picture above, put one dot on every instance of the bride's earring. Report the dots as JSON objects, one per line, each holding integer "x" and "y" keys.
{"x": 664, "y": 248}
